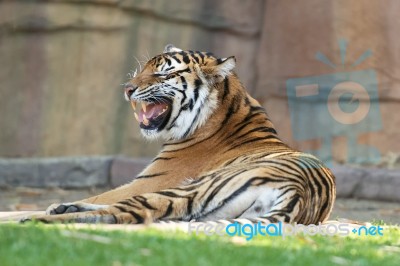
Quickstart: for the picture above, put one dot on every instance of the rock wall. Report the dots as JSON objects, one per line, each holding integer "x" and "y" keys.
{"x": 63, "y": 63}
{"x": 295, "y": 31}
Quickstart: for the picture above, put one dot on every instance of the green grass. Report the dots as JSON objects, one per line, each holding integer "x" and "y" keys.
{"x": 37, "y": 244}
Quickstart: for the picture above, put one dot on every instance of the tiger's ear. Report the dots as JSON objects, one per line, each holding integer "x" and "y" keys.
{"x": 221, "y": 70}
{"x": 171, "y": 48}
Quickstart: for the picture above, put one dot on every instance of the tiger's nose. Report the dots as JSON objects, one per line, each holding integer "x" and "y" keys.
{"x": 130, "y": 89}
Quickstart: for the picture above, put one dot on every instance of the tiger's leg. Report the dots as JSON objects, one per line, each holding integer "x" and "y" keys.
{"x": 102, "y": 201}
{"x": 230, "y": 194}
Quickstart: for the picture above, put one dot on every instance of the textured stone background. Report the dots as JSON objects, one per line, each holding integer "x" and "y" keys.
{"x": 63, "y": 61}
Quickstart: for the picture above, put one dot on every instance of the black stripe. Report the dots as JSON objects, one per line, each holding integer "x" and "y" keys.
{"x": 139, "y": 219}
{"x": 251, "y": 205}
{"x": 168, "y": 211}
{"x": 190, "y": 203}
{"x": 115, "y": 218}
{"x": 170, "y": 68}
{"x": 240, "y": 128}
{"x": 270, "y": 219}
{"x": 201, "y": 56}
{"x": 184, "y": 85}
{"x": 262, "y": 129}
{"x": 284, "y": 162}
{"x": 247, "y": 101}
{"x": 168, "y": 194}
{"x": 196, "y": 59}
{"x": 197, "y": 84}
{"x": 292, "y": 204}
{"x": 184, "y": 70}
{"x": 162, "y": 159}
{"x": 226, "y": 88}
{"x": 128, "y": 202}
{"x": 142, "y": 200}
{"x": 189, "y": 105}
{"x": 186, "y": 59}
{"x": 252, "y": 140}
{"x": 193, "y": 122}
{"x": 236, "y": 102}
{"x": 176, "y": 117}
{"x": 135, "y": 215}
{"x": 177, "y": 143}
{"x": 153, "y": 175}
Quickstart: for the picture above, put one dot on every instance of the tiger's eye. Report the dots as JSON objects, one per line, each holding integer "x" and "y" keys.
{"x": 170, "y": 76}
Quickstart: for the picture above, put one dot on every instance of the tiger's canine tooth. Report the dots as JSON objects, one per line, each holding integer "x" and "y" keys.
{"x": 144, "y": 107}
{"x": 133, "y": 104}
{"x": 136, "y": 116}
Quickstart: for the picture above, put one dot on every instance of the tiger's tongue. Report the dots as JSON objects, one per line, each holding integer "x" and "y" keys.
{"x": 152, "y": 111}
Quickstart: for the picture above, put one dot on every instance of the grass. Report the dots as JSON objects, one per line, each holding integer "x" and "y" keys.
{"x": 38, "y": 244}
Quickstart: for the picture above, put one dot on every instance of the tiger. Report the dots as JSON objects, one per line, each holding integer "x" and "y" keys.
{"x": 221, "y": 157}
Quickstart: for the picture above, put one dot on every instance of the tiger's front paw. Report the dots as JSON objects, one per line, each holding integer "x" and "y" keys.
{"x": 61, "y": 208}
{"x": 73, "y": 207}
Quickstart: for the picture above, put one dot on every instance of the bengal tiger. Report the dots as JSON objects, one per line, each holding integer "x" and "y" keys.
{"x": 222, "y": 158}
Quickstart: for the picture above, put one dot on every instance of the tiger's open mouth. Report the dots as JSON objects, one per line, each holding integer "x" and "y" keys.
{"x": 151, "y": 115}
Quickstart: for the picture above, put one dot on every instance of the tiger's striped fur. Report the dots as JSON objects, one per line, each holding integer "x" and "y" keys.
{"x": 222, "y": 158}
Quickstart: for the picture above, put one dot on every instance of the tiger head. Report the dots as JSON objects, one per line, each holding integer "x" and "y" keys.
{"x": 176, "y": 92}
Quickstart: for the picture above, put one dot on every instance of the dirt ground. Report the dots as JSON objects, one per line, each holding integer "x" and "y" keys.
{"x": 29, "y": 199}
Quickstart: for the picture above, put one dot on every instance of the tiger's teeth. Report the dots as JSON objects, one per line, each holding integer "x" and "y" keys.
{"x": 145, "y": 120}
{"x": 136, "y": 116}
{"x": 133, "y": 103}
{"x": 144, "y": 107}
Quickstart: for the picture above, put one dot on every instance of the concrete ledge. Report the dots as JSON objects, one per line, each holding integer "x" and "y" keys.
{"x": 113, "y": 171}
{"x": 367, "y": 183}
{"x": 64, "y": 172}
